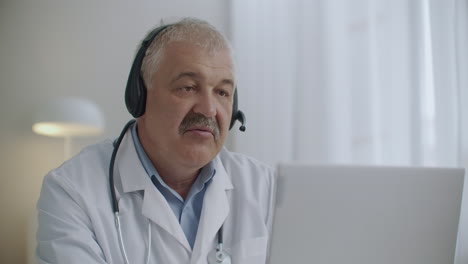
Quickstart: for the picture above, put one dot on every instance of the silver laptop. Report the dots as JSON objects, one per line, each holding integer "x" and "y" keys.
{"x": 366, "y": 215}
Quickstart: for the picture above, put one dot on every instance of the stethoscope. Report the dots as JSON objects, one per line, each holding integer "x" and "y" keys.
{"x": 219, "y": 256}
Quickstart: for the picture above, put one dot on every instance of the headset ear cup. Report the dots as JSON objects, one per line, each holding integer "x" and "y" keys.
{"x": 235, "y": 110}
{"x": 135, "y": 93}
{"x": 140, "y": 106}
{"x": 135, "y": 96}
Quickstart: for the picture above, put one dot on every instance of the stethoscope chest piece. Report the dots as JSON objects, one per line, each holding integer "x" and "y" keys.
{"x": 219, "y": 257}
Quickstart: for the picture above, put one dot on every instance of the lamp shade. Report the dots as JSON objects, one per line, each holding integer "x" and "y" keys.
{"x": 69, "y": 117}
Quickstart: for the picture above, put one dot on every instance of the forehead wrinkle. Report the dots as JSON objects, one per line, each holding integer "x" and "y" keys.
{"x": 190, "y": 61}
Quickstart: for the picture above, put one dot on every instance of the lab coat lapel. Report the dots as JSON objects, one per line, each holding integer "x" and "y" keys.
{"x": 215, "y": 210}
{"x": 155, "y": 207}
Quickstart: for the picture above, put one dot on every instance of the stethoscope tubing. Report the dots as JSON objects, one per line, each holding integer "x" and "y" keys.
{"x": 115, "y": 204}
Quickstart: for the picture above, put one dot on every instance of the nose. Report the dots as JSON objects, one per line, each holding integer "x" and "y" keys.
{"x": 205, "y": 105}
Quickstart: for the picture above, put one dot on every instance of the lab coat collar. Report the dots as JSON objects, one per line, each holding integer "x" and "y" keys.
{"x": 132, "y": 173}
{"x": 155, "y": 207}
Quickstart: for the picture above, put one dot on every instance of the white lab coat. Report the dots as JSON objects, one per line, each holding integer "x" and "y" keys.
{"x": 76, "y": 223}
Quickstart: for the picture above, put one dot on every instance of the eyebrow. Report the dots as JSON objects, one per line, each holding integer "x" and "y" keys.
{"x": 195, "y": 75}
{"x": 185, "y": 74}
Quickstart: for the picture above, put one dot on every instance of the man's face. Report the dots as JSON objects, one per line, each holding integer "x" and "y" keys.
{"x": 188, "y": 107}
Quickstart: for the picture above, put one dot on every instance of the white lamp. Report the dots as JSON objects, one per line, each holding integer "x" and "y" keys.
{"x": 69, "y": 117}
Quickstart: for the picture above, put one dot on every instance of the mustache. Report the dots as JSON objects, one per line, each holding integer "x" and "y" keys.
{"x": 193, "y": 119}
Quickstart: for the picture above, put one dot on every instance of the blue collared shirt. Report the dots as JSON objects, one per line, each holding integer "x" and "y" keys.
{"x": 187, "y": 211}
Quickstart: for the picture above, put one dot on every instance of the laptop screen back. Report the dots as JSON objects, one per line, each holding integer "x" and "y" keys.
{"x": 366, "y": 215}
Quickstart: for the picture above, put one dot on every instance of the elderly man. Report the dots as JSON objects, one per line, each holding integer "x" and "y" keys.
{"x": 166, "y": 191}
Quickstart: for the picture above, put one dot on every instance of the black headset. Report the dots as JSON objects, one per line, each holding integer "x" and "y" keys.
{"x": 135, "y": 93}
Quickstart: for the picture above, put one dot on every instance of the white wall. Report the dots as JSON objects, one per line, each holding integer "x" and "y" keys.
{"x": 53, "y": 48}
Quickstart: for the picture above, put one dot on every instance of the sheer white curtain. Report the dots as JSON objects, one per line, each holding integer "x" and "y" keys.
{"x": 357, "y": 82}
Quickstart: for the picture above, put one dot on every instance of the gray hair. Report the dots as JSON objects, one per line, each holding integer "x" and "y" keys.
{"x": 191, "y": 30}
